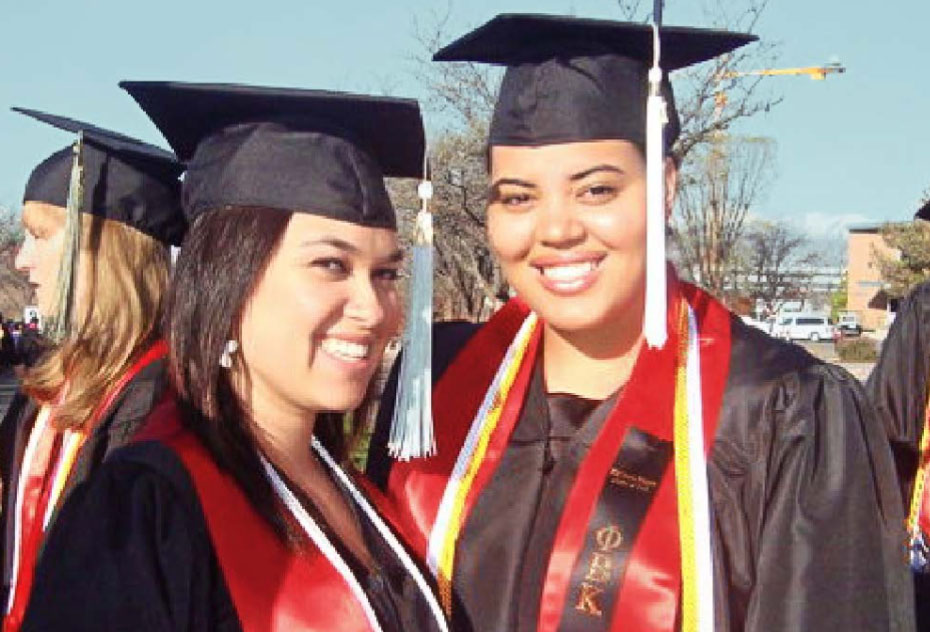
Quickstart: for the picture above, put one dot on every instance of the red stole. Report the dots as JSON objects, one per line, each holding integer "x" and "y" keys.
{"x": 42, "y": 478}
{"x": 648, "y": 595}
{"x": 273, "y": 587}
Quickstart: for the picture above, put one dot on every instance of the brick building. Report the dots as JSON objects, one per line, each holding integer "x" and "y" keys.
{"x": 867, "y": 298}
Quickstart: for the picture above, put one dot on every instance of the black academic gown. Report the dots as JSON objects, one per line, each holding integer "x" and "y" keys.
{"x": 797, "y": 452}
{"x": 898, "y": 386}
{"x": 121, "y": 422}
{"x": 131, "y": 550}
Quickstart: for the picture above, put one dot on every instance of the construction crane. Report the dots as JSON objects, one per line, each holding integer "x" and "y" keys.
{"x": 816, "y": 73}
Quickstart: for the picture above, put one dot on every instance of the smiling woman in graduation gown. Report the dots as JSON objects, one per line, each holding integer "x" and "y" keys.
{"x": 586, "y": 481}
{"x": 231, "y": 511}
{"x": 99, "y": 217}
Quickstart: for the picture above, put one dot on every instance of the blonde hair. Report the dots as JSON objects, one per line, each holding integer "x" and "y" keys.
{"x": 123, "y": 280}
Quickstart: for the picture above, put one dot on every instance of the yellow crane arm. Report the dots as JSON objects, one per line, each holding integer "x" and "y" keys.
{"x": 817, "y": 73}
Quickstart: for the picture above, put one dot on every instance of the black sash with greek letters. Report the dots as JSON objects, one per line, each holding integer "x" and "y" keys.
{"x": 621, "y": 507}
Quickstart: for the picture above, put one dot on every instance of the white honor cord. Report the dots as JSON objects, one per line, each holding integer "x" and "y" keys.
{"x": 387, "y": 534}
{"x": 321, "y": 541}
{"x": 699, "y": 493}
{"x": 33, "y": 444}
{"x": 447, "y": 505}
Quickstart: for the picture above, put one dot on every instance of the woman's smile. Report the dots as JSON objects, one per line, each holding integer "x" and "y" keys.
{"x": 568, "y": 274}
{"x": 350, "y": 354}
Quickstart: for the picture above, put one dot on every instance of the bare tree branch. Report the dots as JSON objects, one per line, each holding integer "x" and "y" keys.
{"x": 713, "y": 96}
{"x": 717, "y": 189}
{"x": 463, "y": 90}
{"x": 15, "y": 291}
{"x": 630, "y": 10}
{"x": 778, "y": 264}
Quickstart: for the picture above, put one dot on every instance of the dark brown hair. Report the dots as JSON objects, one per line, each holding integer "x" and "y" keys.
{"x": 224, "y": 256}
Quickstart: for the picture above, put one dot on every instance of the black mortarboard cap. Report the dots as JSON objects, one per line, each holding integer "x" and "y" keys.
{"x": 310, "y": 151}
{"x": 924, "y": 212}
{"x": 125, "y": 180}
{"x": 574, "y": 79}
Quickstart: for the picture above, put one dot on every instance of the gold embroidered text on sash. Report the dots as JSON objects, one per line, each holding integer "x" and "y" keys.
{"x": 601, "y": 564}
{"x": 623, "y": 478}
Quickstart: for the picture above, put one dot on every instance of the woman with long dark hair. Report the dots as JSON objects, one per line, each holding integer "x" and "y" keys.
{"x": 232, "y": 511}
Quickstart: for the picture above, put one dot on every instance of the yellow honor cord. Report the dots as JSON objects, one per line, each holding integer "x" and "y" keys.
{"x": 71, "y": 445}
{"x": 689, "y": 599}
{"x": 488, "y": 425}
{"x": 913, "y": 517}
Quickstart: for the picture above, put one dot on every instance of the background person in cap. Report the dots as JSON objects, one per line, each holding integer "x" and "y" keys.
{"x": 30, "y": 345}
{"x": 235, "y": 513}
{"x": 7, "y": 344}
{"x": 899, "y": 386}
{"x": 98, "y": 216}
{"x": 570, "y": 490}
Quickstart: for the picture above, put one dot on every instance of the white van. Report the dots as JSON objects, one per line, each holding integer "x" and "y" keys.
{"x": 813, "y": 327}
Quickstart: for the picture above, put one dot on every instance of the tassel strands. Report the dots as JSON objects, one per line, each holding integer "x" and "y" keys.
{"x": 70, "y": 255}
{"x": 654, "y": 327}
{"x": 412, "y": 426}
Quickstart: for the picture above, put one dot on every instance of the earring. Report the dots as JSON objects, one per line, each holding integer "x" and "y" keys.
{"x": 228, "y": 350}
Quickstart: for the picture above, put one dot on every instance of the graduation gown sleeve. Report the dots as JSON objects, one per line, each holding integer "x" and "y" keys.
{"x": 898, "y": 383}
{"x": 808, "y": 529}
{"x": 898, "y": 387}
{"x": 138, "y": 526}
{"x": 14, "y": 433}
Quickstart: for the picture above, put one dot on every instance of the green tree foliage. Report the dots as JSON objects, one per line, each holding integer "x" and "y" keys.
{"x": 839, "y": 300}
{"x": 900, "y": 273}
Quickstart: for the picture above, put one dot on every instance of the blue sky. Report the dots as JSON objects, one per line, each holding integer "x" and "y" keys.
{"x": 851, "y": 149}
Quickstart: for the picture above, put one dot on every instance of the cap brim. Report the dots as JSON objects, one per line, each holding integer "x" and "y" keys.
{"x": 390, "y": 129}
{"x": 108, "y": 140}
{"x": 924, "y": 212}
{"x": 513, "y": 39}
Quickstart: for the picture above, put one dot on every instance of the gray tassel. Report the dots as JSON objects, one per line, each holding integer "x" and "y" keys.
{"x": 412, "y": 426}
{"x": 61, "y": 324}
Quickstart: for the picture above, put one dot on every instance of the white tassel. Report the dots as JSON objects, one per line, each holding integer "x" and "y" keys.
{"x": 654, "y": 317}
{"x": 412, "y": 426}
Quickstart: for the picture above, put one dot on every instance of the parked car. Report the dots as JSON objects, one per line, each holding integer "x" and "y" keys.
{"x": 848, "y": 324}
{"x": 800, "y": 326}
